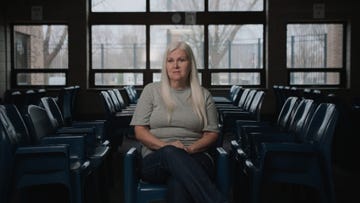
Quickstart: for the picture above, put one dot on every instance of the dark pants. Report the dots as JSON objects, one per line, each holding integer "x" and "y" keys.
{"x": 189, "y": 177}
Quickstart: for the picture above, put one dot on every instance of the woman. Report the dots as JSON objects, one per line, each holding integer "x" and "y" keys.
{"x": 176, "y": 122}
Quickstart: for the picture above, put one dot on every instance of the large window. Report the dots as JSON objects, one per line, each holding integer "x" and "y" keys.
{"x": 128, "y": 42}
{"x": 40, "y": 55}
{"x": 118, "y": 48}
{"x": 315, "y": 54}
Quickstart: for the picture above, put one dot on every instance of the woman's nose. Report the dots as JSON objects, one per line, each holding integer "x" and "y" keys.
{"x": 176, "y": 64}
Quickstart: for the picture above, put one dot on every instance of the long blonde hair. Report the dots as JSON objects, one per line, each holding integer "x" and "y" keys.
{"x": 197, "y": 94}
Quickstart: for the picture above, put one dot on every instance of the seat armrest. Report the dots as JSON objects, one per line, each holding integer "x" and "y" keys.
{"x": 130, "y": 175}
{"x": 76, "y": 144}
{"x": 222, "y": 171}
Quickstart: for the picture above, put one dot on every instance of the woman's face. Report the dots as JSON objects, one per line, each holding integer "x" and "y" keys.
{"x": 178, "y": 66}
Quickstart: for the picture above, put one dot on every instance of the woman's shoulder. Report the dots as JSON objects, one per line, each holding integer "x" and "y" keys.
{"x": 206, "y": 92}
{"x": 152, "y": 88}
{"x": 153, "y": 85}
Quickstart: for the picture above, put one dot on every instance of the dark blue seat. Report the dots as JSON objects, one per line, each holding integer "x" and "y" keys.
{"x": 136, "y": 190}
{"x": 49, "y": 161}
{"x": 282, "y": 121}
{"x": 253, "y": 112}
{"x": 233, "y": 97}
{"x": 306, "y": 163}
{"x": 117, "y": 122}
{"x": 131, "y": 93}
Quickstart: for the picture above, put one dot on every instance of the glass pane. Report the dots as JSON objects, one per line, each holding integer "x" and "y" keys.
{"x": 118, "y": 6}
{"x": 40, "y": 79}
{"x": 235, "y": 46}
{"x": 41, "y": 46}
{"x": 314, "y": 45}
{"x": 162, "y": 35}
{"x": 236, "y": 5}
{"x": 157, "y": 77}
{"x": 173, "y": 5}
{"x": 118, "y": 79}
{"x": 314, "y": 78}
{"x": 118, "y": 47}
{"x": 235, "y": 79}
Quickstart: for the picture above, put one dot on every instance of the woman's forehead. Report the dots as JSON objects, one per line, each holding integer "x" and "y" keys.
{"x": 177, "y": 51}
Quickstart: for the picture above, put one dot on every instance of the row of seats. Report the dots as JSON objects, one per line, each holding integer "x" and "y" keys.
{"x": 37, "y": 148}
{"x": 246, "y": 107}
{"x": 296, "y": 149}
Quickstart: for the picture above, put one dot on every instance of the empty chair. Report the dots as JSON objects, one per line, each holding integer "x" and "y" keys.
{"x": 66, "y": 101}
{"x": 307, "y": 163}
{"x": 233, "y": 97}
{"x": 282, "y": 122}
{"x": 131, "y": 93}
{"x": 252, "y": 113}
{"x": 294, "y": 133}
{"x": 117, "y": 123}
{"x": 41, "y": 164}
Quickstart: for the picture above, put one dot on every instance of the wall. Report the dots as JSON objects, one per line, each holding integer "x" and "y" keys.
{"x": 280, "y": 12}
{"x": 3, "y": 72}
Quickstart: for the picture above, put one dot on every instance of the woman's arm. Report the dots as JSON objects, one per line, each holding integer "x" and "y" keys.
{"x": 208, "y": 138}
{"x": 142, "y": 133}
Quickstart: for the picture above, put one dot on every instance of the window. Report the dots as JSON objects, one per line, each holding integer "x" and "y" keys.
{"x": 40, "y": 55}
{"x": 117, "y": 48}
{"x": 239, "y": 48}
{"x": 162, "y": 35}
{"x": 315, "y": 54}
{"x": 128, "y": 42}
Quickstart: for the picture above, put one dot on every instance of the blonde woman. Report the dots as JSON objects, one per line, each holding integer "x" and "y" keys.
{"x": 176, "y": 122}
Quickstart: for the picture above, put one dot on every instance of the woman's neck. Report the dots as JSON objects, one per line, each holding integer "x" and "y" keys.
{"x": 177, "y": 85}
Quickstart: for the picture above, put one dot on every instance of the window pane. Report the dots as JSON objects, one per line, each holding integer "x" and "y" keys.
{"x": 314, "y": 45}
{"x": 118, "y": 79}
{"x": 235, "y": 79}
{"x": 40, "y": 46}
{"x": 235, "y": 46}
{"x": 173, "y": 5}
{"x": 314, "y": 78}
{"x": 236, "y": 5}
{"x": 161, "y": 36}
{"x": 41, "y": 79}
{"x": 118, "y": 47}
{"x": 118, "y": 6}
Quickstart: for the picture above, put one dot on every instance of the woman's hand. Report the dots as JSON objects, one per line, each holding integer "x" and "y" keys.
{"x": 177, "y": 144}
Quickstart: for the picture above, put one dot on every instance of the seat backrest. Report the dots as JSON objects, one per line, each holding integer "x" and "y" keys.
{"x": 120, "y": 98}
{"x": 65, "y": 102}
{"x": 249, "y": 99}
{"x": 38, "y": 123}
{"x": 21, "y": 133}
{"x": 287, "y": 111}
{"x": 322, "y": 126}
{"x": 301, "y": 118}
{"x": 131, "y": 92}
{"x": 237, "y": 92}
{"x": 107, "y": 102}
{"x": 256, "y": 103}
{"x": 243, "y": 97}
{"x": 114, "y": 100}
{"x": 53, "y": 111}
{"x": 7, "y": 149}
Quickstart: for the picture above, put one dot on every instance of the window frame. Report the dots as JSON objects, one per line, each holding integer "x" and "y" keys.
{"x": 16, "y": 71}
{"x": 342, "y": 71}
{"x": 204, "y": 18}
